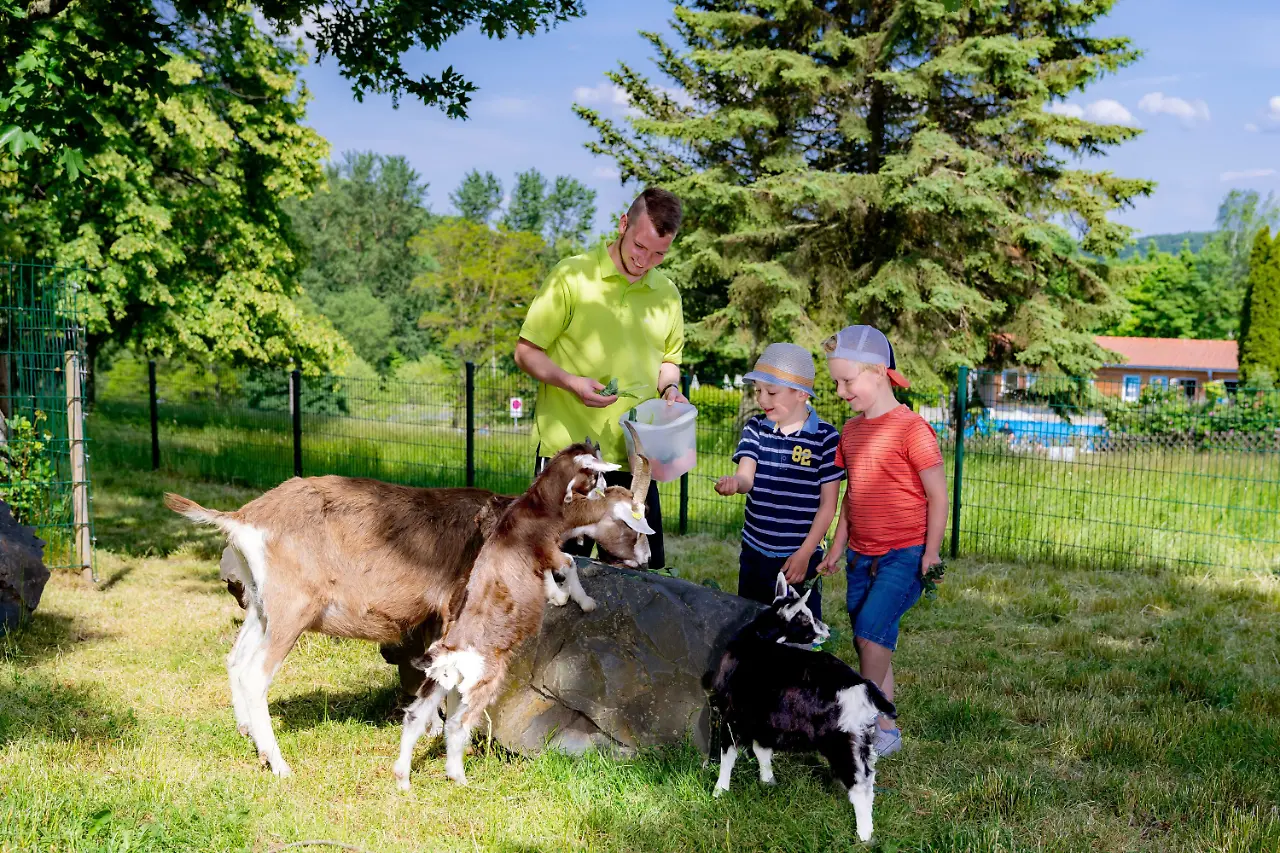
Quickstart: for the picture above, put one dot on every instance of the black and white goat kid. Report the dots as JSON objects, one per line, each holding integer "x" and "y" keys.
{"x": 773, "y": 693}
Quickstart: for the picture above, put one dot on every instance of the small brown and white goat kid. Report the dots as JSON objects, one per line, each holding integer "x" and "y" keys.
{"x": 509, "y": 586}
{"x": 353, "y": 557}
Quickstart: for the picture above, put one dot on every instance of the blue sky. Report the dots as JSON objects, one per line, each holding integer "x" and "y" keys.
{"x": 1206, "y": 92}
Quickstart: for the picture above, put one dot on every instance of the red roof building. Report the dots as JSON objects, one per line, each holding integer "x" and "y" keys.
{"x": 1166, "y": 362}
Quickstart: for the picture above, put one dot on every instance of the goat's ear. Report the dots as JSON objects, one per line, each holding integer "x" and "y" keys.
{"x": 632, "y": 518}
{"x": 594, "y": 463}
{"x": 780, "y": 588}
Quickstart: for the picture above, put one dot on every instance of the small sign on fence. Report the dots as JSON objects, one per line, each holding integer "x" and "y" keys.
{"x": 517, "y": 408}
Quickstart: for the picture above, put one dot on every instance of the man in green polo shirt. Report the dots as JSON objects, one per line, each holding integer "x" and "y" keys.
{"x": 608, "y": 314}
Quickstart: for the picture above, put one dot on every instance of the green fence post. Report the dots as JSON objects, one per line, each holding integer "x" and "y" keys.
{"x": 685, "y": 389}
{"x": 295, "y": 404}
{"x": 155, "y": 415}
{"x": 962, "y": 404}
{"x": 470, "y": 392}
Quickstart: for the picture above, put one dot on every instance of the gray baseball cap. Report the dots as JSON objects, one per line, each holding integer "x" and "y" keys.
{"x": 788, "y": 365}
{"x": 868, "y": 345}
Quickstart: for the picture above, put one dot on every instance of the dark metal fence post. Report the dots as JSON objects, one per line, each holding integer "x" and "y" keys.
{"x": 684, "y": 478}
{"x": 962, "y": 405}
{"x": 155, "y": 416}
{"x": 295, "y": 408}
{"x": 471, "y": 423}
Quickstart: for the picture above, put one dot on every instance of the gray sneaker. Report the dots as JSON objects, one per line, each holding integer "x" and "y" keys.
{"x": 888, "y": 741}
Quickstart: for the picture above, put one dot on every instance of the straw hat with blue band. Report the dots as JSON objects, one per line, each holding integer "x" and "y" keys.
{"x": 788, "y": 365}
{"x": 868, "y": 345}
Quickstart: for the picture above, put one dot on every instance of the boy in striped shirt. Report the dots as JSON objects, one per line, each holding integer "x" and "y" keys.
{"x": 895, "y": 506}
{"x": 787, "y": 469}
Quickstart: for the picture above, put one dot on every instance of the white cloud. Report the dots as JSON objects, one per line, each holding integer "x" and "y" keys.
{"x": 607, "y": 173}
{"x": 1251, "y": 127}
{"x": 1247, "y": 173}
{"x": 1273, "y": 108}
{"x": 606, "y": 93}
{"x": 1188, "y": 112}
{"x": 1105, "y": 111}
{"x": 1073, "y": 110}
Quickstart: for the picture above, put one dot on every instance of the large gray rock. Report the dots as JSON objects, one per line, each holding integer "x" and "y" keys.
{"x": 22, "y": 570}
{"x": 627, "y": 675}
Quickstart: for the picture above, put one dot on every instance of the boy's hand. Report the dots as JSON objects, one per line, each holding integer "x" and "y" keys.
{"x": 727, "y": 485}
{"x": 830, "y": 563}
{"x": 928, "y": 561}
{"x": 797, "y": 566}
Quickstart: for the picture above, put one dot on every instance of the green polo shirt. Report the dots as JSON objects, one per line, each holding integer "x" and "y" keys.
{"x": 593, "y": 322}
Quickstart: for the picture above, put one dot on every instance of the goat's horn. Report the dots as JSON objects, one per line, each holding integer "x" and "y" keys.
{"x": 639, "y": 470}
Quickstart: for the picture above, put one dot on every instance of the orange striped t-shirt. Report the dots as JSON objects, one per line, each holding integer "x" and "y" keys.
{"x": 883, "y": 457}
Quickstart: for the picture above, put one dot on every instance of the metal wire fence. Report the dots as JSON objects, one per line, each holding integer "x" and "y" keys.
{"x": 1045, "y": 468}
{"x": 44, "y": 474}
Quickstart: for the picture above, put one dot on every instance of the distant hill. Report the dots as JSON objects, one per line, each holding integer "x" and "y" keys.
{"x": 1171, "y": 243}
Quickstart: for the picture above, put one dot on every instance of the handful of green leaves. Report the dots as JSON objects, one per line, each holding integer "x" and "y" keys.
{"x": 931, "y": 578}
{"x": 611, "y": 389}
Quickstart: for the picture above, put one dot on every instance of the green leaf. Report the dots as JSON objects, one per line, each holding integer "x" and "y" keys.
{"x": 9, "y": 134}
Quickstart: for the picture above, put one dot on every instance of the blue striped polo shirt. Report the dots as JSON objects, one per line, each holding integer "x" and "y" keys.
{"x": 790, "y": 471}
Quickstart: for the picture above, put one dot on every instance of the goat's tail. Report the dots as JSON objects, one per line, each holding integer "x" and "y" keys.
{"x": 195, "y": 512}
{"x": 880, "y": 701}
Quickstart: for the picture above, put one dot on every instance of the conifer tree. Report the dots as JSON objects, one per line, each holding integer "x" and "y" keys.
{"x": 1260, "y": 319}
{"x": 894, "y": 162}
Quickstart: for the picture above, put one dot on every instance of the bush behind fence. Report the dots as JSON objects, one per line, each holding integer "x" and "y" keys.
{"x": 1064, "y": 470}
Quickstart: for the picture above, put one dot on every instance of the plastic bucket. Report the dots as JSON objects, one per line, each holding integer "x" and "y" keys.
{"x": 669, "y": 435}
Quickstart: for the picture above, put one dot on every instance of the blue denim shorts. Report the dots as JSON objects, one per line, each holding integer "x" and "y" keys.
{"x": 876, "y": 604}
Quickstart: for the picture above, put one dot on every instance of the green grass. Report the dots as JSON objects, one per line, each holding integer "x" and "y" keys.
{"x": 1043, "y": 709}
{"x": 1124, "y": 509}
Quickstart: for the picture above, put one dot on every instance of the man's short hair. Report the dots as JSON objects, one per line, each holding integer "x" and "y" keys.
{"x": 664, "y": 209}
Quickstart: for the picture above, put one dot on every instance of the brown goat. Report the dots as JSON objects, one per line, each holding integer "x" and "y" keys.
{"x": 509, "y": 585}
{"x": 352, "y": 557}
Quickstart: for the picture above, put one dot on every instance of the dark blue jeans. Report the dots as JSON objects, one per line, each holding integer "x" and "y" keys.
{"x": 758, "y": 576}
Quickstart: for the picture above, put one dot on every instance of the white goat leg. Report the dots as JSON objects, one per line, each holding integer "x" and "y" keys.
{"x": 248, "y": 639}
{"x": 861, "y": 795}
{"x": 456, "y": 736}
{"x": 423, "y": 711}
{"x": 727, "y": 758}
{"x": 576, "y": 592}
{"x": 254, "y": 682}
{"x": 765, "y": 756}
{"x": 555, "y": 595}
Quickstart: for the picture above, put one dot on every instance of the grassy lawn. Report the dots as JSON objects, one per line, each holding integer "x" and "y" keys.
{"x": 1043, "y": 709}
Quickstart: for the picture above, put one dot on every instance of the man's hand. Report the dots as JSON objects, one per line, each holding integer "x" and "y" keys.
{"x": 796, "y": 566}
{"x": 928, "y": 561}
{"x": 673, "y": 395}
{"x": 588, "y": 390}
{"x": 728, "y": 485}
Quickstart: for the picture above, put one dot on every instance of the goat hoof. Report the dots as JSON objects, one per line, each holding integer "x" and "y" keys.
{"x": 718, "y": 792}
{"x": 402, "y": 782}
{"x": 281, "y": 769}
{"x": 560, "y": 600}
{"x": 243, "y": 729}
{"x": 770, "y": 781}
{"x": 587, "y": 605}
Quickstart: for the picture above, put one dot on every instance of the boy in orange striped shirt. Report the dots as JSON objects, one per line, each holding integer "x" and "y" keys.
{"x": 895, "y": 505}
